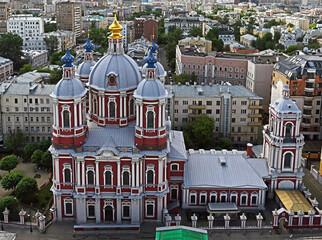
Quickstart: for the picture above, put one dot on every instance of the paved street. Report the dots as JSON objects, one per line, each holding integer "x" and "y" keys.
{"x": 314, "y": 186}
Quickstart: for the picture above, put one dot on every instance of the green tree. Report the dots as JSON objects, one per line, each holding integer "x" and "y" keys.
{"x": 291, "y": 50}
{"x": 14, "y": 140}
{"x": 9, "y": 162}
{"x": 277, "y": 36}
{"x": 212, "y": 33}
{"x": 26, "y": 68}
{"x": 313, "y": 25}
{"x": 200, "y": 132}
{"x": 44, "y": 145}
{"x": 25, "y": 187}
{"x": 313, "y": 44}
{"x": 225, "y": 143}
{"x": 10, "y": 180}
{"x": 51, "y": 44}
{"x": 46, "y": 160}
{"x": 50, "y": 27}
{"x": 29, "y": 150}
{"x": 55, "y": 58}
{"x": 36, "y": 157}
{"x": 175, "y": 34}
{"x": 195, "y": 32}
{"x": 99, "y": 36}
{"x": 250, "y": 26}
{"x": 11, "y": 47}
{"x": 9, "y": 202}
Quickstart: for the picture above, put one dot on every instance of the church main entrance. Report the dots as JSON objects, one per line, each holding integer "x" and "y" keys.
{"x": 108, "y": 214}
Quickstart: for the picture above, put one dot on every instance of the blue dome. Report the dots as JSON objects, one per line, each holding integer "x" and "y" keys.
{"x": 69, "y": 89}
{"x": 85, "y": 68}
{"x": 67, "y": 59}
{"x": 150, "y": 89}
{"x": 88, "y": 45}
{"x": 151, "y": 60}
{"x": 122, "y": 66}
{"x": 154, "y": 47}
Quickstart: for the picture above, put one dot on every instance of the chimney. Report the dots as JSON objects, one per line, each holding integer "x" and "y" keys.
{"x": 249, "y": 150}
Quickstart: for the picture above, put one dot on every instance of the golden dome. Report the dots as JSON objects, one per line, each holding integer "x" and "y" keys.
{"x": 289, "y": 29}
{"x": 115, "y": 28}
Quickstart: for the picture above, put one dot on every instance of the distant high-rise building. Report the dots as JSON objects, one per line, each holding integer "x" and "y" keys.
{"x": 69, "y": 17}
{"x": 5, "y": 13}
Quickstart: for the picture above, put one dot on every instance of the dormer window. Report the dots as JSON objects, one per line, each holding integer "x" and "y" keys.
{"x": 111, "y": 80}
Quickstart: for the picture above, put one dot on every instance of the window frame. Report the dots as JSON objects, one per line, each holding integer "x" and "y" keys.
{"x": 149, "y": 202}
{"x": 92, "y": 204}
{"x": 67, "y": 166}
{"x": 193, "y": 193}
{"x": 108, "y": 168}
{"x": 174, "y": 164}
{"x": 88, "y": 169}
{"x": 150, "y": 167}
{"x": 70, "y": 201}
{"x": 243, "y": 194}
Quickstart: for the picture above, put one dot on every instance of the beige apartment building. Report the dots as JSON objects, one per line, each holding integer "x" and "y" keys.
{"x": 5, "y": 13}
{"x": 69, "y": 17}
{"x": 28, "y": 107}
{"x": 236, "y": 110}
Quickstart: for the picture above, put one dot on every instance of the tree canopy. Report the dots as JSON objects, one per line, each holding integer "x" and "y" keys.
{"x": 99, "y": 36}
{"x": 10, "y": 180}
{"x": 9, "y": 162}
{"x": 14, "y": 140}
{"x": 183, "y": 78}
{"x": 50, "y": 27}
{"x": 51, "y": 44}
{"x": 174, "y": 35}
{"x": 195, "y": 32}
{"x": 9, "y": 202}
{"x": 11, "y": 47}
{"x": 46, "y": 160}
{"x": 36, "y": 157}
{"x": 25, "y": 187}
{"x": 199, "y": 133}
{"x": 29, "y": 150}
{"x": 44, "y": 145}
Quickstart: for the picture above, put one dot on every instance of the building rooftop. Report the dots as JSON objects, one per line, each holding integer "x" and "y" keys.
{"x": 210, "y": 91}
{"x": 29, "y": 89}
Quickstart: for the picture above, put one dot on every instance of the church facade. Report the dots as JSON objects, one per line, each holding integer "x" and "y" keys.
{"x": 116, "y": 159}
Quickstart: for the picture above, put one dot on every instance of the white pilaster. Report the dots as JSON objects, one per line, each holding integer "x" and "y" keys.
{"x": 78, "y": 173}
{"x": 133, "y": 175}
{"x": 137, "y": 173}
{"x": 83, "y": 173}
{"x": 135, "y": 211}
{"x": 118, "y": 174}
{"x": 118, "y": 211}
{"x": 98, "y": 210}
{"x": 59, "y": 207}
{"x": 141, "y": 115}
{"x": 97, "y": 174}
{"x": 81, "y": 209}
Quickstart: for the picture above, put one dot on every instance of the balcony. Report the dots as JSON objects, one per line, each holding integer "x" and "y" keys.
{"x": 309, "y": 89}
{"x": 310, "y": 80}
{"x": 197, "y": 106}
{"x": 307, "y": 106}
{"x": 194, "y": 115}
{"x": 254, "y": 115}
{"x": 254, "y": 124}
{"x": 289, "y": 140}
{"x": 307, "y": 115}
{"x": 255, "y": 107}
{"x": 305, "y": 125}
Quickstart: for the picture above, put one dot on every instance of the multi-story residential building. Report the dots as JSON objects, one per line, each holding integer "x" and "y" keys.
{"x": 6, "y": 69}
{"x": 247, "y": 39}
{"x": 150, "y": 28}
{"x": 300, "y": 23}
{"x": 28, "y": 107}
{"x": 288, "y": 38}
{"x": 97, "y": 21}
{"x": 139, "y": 27}
{"x": 63, "y": 37}
{"x": 259, "y": 76}
{"x": 5, "y": 13}
{"x": 184, "y": 23}
{"x": 36, "y": 58}
{"x": 30, "y": 29}
{"x": 303, "y": 75}
{"x": 236, "y": 110}
{"x": 211, "y": 67}
{"x": 69, "y": 17}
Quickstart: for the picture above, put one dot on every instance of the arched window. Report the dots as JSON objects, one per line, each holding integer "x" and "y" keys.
{"x": 150, "y": 177}
{"x": 108, "y": 178}
{"x": 66, "y": 119}
{"x": 114, "y": 47}
{"x": 132, "y": 107}
{"x": 94, "y": 106}
{"x": 67, "y": 74}
{"x": 126, "y": 178}
{"x": 90, "y": 177}
{"x": 67, "y": 177}
{"x": 150, "y": 75}
{"x": 112, "y": 109}
{"x": 272, "y": 125}
{"x": 287, "y": 160}
{"x": 288, "y": 131}
{"x": 150, "y": 117}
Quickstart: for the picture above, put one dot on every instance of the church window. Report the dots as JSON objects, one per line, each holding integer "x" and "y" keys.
{"x": 114, "y": 47}
{"x": 126, "y": 176}
{"x": 66, "y": 116}
{"x": 287, "y": 160}
{"x": 67, "y": 74}
{"x": 174, "y": 167}
{"x": 193, "y": 196}
{"x": 90, "y": 177}
{"x": 233, "y": 197}
{"x": 254, "y": 198}
{"x": 149, "y": 208}
{"x": 132, "y": 107}
{"x": 203, "y": 198}
{"x": 112, "y": 79}
{"x": 94, "y": 106}
{"x": 150, "y": 175}
{"x": 67, "y": 175}
{"x": 108, "y": 177}
{"x": 213, "y": 197}
{"x": 223, "y": 197}
{"x": 150, "y": 119}
{"x": 150, "y": 74}
{"x": 288, "y": 131}
{"x": 126, "y": 209}
{"x": 243, "y": 199}
{"x": 112, "y": 109}
{"x": 68, "y": 207}
{"x": 272, "y": 125}
{"x": 90, "y": 209}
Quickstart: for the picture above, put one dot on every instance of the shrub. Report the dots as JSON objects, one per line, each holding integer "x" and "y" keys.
{"x": 9, "y": 162}
{"x": 26, "y": 188}
{"x": 11, "y": 180}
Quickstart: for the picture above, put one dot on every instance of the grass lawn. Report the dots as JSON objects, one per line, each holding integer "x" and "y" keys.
{"x": 44, "y": 197}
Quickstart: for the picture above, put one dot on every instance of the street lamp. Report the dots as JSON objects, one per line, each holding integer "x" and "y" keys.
{"x": 29, "y": 215}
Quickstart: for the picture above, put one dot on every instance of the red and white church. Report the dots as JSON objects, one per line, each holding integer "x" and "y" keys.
{"x": 119, "y": 161}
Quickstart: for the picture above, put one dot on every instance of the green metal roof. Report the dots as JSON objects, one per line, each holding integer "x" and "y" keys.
{"x": 180, "y": 232}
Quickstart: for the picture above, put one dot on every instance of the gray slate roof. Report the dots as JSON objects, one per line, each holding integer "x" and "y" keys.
{"x": 69, "y": 88}
{"x": 84, "y": 69}
{"x": 190, "y": 91}
{"x": 205, "y": 170}
{"x": 28, "y": 89}
{"x": 150, "y": 89}
{"x": 282, "y": 105}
